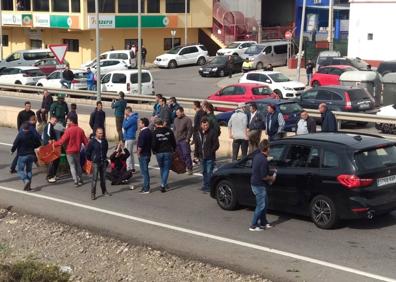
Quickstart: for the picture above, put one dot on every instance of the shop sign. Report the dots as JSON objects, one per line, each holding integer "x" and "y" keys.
{"x": 104, "y": 21}
{"x": 12, "y": 19}
{"x": 27, "y": 20}
{"x": 147, "y": 21}
{"x": 41, "y": 21}
{"x": 67, "y": 22}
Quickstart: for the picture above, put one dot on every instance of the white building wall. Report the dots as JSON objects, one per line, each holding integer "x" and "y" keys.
{"x": 378, "y": 19}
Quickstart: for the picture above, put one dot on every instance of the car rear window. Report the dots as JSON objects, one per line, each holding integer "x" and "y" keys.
{"x": 80, "y": 75}
{"x": 36, "y": 56}
{"x": 261, "y": 91}
{"x": 33, "y": 72}
{"x": 376, "y": 158}
{"x": 358, "y": 94}
{"x": 290, "y": 108}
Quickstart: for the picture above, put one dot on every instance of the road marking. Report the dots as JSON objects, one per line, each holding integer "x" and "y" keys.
{"x": 206, "y": 235}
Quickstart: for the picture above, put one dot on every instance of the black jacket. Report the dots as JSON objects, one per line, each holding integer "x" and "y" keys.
{"x": 47, "y": 102}
{"x": 48, "y": 133}
{"x": 257, "y": 122}
{"x": 329, "y": 122}
{"x": 311, "y": 125}
{"x": 97, "y": 120}
{"x": 97, "y": 151}
{"x": 23, "y": 116}
{"x": 25, "y": 143}
{"x": 68, "y": 75}
{"x": 163, "y": 141}
{"x": 207, "y": 144}
{"x": 197, "y": 119}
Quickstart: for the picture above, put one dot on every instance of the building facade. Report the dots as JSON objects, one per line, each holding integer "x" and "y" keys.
{"x": 38, "y": 23}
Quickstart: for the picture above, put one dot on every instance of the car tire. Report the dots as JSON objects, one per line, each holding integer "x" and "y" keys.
{"x": 315, "y": 84}
{"x": 222, "y": 73}
{"x": 172, "y": 64}
{"x": 235, "y": 54}
{"x": 201, "y": 61}
{"x": 39, "y": 85}
{"x": 259, "y": 66}
{"x": 323, "y": 212}
{"x": 279, "y": 93}
{"x": 226, "y": 195}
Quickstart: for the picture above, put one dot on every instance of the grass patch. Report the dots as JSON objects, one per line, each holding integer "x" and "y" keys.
{"x": 31, "y": 271}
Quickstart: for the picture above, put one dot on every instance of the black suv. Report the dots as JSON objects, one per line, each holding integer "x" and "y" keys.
{"x": 386, "y": 67}
{"x": 327, "y": 176}
{"x": 354, "y": 62}
{"x": 338, "y": 98}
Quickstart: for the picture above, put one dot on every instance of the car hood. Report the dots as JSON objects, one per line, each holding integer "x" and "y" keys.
{"x": 226, "y": 50}
{"x": 292, "y": 84}
{"x": 224, "y": 167}
{"x": 213, "y": 65}
{"x": 166, "y": 56}
{"x": 387, "y": 111}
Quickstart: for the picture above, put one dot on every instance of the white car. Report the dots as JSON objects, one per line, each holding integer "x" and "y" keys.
{"x": 21, "y": 75}
{"x": 115, "y": 54}
{"x": 283, "y": 86}
{"x": 183, "y": 55}
{"x": 110, "y": 65}
{"x": 53, "y": 80}
{"x": 235, "y": 48}
{"x": 126, "y": 81}
{"x": 387, "y": 111}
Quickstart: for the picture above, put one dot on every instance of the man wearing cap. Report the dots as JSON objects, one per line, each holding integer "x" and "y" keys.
{"x": 274, "y": 123}
{"x": 59, "y": 109}
{"x": 237, "y": 128}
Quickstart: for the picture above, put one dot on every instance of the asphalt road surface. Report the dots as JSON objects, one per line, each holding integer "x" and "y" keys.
{"x": 189, "y": 223}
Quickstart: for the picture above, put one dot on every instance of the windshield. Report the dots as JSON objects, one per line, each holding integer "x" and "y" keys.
{"x": 279, "y": 77}
{"x": 33, "y": 72}
{"x": 232, "y": 45}
{"x": 254, "y": 49}
{"x": 219, "y": 60}
{"x": 174, "y": 50}
{"x": 376, "y": 158}
{"x": 290, "y": 108}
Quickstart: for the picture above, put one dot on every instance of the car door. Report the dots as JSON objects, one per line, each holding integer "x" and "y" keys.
{"x": 267, "y": 56}
{"x": 10, "y": 76}
{"x": 53, "y": 80}
{"x": 334, "y": 76}
{"x": 233, "y": 93}
{"x": 325, "y": 96}
{"x": 147, "y": 84}
{"x": 118, "y": 82}
{"x": 308, "y": 99}
{"x": 106, "y": 84}
{"x": 280, "y": 54}
{"x": 241, "y": 178}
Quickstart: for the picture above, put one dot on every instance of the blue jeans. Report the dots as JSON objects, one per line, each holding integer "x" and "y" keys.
{"x": 144, "y": 170}
{"x": 309, "y": 77}
{"x": 207, "y": 171}
{"x": 260, "y": 213}
{"x": 164, "y": 162}
{"x": 24, "y": 167}
{"x": 65, "y": 83}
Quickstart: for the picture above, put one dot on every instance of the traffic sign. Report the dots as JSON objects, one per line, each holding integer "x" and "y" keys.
{"x": 288, "y": 35}
{"x": 59, "y": 51}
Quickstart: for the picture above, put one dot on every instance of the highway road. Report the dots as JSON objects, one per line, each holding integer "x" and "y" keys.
{"x": 187, "y": 222}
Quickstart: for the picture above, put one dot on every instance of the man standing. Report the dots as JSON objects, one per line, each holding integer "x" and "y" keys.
{"x": 256, "y": 125}
{"x": 130, "y": 126}
{"x": 97, "y": 153}
{"x": 97, "y": 118}
{"x": 90, "y": 80}
{"x": 329, "y": 122}
{"x": 163, "y": 146}
{"x": 309, "y": 70}
{"x": 230, "y": 65}
{"x": 73, "y": 112}
{"x": 157, "y": 106}
{"x": 59, "y": 109}
{"x": 144, "y": 153}
{"x": 209, "y": 110}
{"x": 25, "y": 143}
{"x": 73, "y": 137}
{"x": 25, "y": 114}
{"x": 306, "y": 124}
{"x": 237, "y": 128}
{"x": 67, "y": 77}
{"x": 199, "y": 114}
{"x": 144, "y": 55}
{"x": 259, "y": 181}
{"x": 49, "y": 135}
{"x": 183, "y": 132}
{"x": 119, "y": 112}
{"x": 173, "y": 106}
{"x": 42, "y": 113}
{"x": 274, "y": 123}
{"x": 208, "y": 144}
{"x": 164, "y": 113}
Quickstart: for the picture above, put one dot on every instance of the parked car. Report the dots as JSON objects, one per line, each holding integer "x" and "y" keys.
{"x": 260, "y": 55}
{"x": 329, "y": 75}
{"x": 324, "y": 55}
{"x": 49, "y": 65}
{"x": 183, "y": 55}
{"x": 386, "y": 67}
{"x": 53, "y": 80}
{"x": 327, "y": 176}
{"x": 26, "y": 57}
{"x": 235, "y": 48}
{"x": 218, "y": 66}
{"x": 109, "y": 65}
{"x": 387, "y": 111}
{"x": 354, "y": 62}
{"x": 241, "y": 93}
{"x": 124, "y": 55}
{"x": 283, "y": 86}
{"x": 290, "y": 110}
{"x": 21, "y": 75}
{"x": 126, "y": 81}
{"x": 339, "y": 98}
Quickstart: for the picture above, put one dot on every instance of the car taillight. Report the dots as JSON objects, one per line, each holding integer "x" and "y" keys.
{"x": 352, "y": 181}
{"x": 348, "y": 103}
{"x": 128, "y": 87}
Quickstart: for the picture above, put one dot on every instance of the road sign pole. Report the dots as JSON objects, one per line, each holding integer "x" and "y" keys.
{"x": 98, "y": 77}
{"x": 139, "y": 52}
{"x": 185, "y": 22}
{"x": 1, "y": 31}
{"x": 301, "y": 40}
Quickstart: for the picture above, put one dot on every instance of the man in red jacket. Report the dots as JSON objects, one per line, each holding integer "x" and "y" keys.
{"x": 73, "y": 137}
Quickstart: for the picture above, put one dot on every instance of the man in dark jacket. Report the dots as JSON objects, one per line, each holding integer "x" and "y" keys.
{"x": 67, "y": 77}
{"x": 119, "y": 107}
{"x": 164, "y": 113}
{"x": 97, "y": 153}
{"x": 329, "y": 122}
{"x": 42, "y": 113}
{"x": 274, "y": 123}
{"x": 97, "y": 118}
{"x": 208, "y": 144}
{"x": 230, "y": 65}
{"x": 144, "y": 153}
{"x": 173, "y": 106}
{"x": 255, "y": 127}
{"x": 309, "y": 71}
{"x": 199, "y": 114}
{"x": 25, "y": 143}
{"x": 163, "y": 146}
{"x": 59, "y": 109}
{"x": 49, "y": 135}
{"x": 306, "y": 124}
{"x": 25, "y": 114}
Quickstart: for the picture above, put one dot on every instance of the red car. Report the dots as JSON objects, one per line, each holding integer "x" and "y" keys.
{"x": 329, "y": 75}
{"x": 241, "y": 93}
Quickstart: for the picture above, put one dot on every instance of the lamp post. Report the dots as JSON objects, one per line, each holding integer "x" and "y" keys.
{"x": 139, "y": 47}
{"x": 185, "y": 22}
{"x": 1, "y": 32}
{"x": 301, "y": 40}
{"x": 98, "y": 77}
{"x": 330, "y": 27}
{"x": 173, "y": 34}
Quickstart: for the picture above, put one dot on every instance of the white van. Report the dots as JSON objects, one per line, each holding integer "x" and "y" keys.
{"x": 124, "y": 55}
{"x": 126, "y": 81}
{"x": 26, "y": 57}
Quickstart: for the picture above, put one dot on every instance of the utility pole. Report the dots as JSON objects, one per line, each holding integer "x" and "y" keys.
{"x": 98, "y": 77}
{"x": 139, "y": 47}
{"x": 185, "y": 22}
{"x": 330, "y": 27}
{"x": 1, "y": 31}
{"x": 301, "y": 40}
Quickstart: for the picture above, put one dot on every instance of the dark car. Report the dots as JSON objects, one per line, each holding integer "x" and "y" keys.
{"x": 290, "y": 110}
{"x": 327, "y": 176}
{"x": 386, "y": 67}
{"x": 339, "y": 98}
{"x": 218, "y": 66}
{"x": 354, "y": 62}
{"x": 49, "y": 65}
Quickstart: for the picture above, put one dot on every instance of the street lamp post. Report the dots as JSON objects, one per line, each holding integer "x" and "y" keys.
{"x": 173, "y": 34}
{"x": 301, "y": 40}
{"x": 330, "y": 27}
{"x": 1, "y": 32}
{"x": 98, "y": 77}
{"x": 185, "y": 22}
{"x": 139, "y": 47}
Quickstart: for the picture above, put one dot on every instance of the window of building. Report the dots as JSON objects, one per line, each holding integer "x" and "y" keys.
{"x": 129, "y": 6}
{"x": 60, "y": 6}
{"x": 105, "y": 6}
{"x": 41, "y": 5}
{"x": 153, "y": 6}
{"x": 22, "y": 5}
{"x": 130, "y": 42}
{"x": 72, "y": 44}
{"x": 177, "y": 6}
{"x": 5, "y": 40}
{"x": 168, "y": 43}
{"x": 36, "y": 44}
{"x": 7, "y": 5}
{"x": 75, "y": 5}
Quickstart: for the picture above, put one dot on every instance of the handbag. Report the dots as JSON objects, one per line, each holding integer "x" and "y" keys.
{"x": 88, "y": 167}
{"x": 178, "y": 164}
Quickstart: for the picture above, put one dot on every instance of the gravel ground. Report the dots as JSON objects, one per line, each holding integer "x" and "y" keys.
{"x": 92, "y": 257}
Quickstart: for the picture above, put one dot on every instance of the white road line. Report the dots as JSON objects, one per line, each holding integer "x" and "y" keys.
{"x": 206, "y": 235}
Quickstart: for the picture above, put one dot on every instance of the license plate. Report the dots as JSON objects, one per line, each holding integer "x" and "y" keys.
{"x": 206, "y": 72}
{"x": 386, "y": 180}
{"x": 364, "y": 106}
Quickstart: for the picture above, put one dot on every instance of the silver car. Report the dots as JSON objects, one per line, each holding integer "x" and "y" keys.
{"x": 260, "y": 55}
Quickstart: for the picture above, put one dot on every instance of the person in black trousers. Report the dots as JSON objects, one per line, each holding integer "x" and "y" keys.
{"x": 42, "y": 113}
{"x": 97, "y": 154}
{"x": 49, "y": 135}
{"x": 97, "y": 118}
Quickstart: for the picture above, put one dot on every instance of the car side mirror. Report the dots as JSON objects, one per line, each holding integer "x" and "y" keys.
{"x": 217, "y": 93}
{"x": 264, "y": 52}
{"x": 268, "y": 81}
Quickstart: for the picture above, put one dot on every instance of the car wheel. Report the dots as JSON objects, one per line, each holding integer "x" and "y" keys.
{"x": 386, "y": 128}
{"x": 222, "y": 73}
{"x": 39, "y": 85}
{"x": 201, "y": 61}
{"x": 315, "y": 84}
{"x": 235, "y": 54}
{"x": 279, "y": 93}
{"x": 323, "y": 212}
{"x": 259, "y": 66}
{"x": 225, "y": 195}
{"x": 172, "y": 64}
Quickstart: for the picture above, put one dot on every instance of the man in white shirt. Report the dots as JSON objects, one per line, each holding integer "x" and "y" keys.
{"x": 306, "y": 124}
{"x": 237, "y": 128}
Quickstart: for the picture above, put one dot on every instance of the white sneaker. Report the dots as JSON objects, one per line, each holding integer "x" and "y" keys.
{"x": 132, "y": 187}
{"x": 52, "y": 180}
{"x": 267, "y": 226}
{"x": 255, "y": 228}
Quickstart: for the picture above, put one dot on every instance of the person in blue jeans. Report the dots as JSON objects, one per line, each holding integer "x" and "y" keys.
{"x": 91, "y": 83}
{"x": 259, "y": 181}
{"x": 25, "y": 142}
{"x": 144, "y": 153}
{"x": 163, "y": 146}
